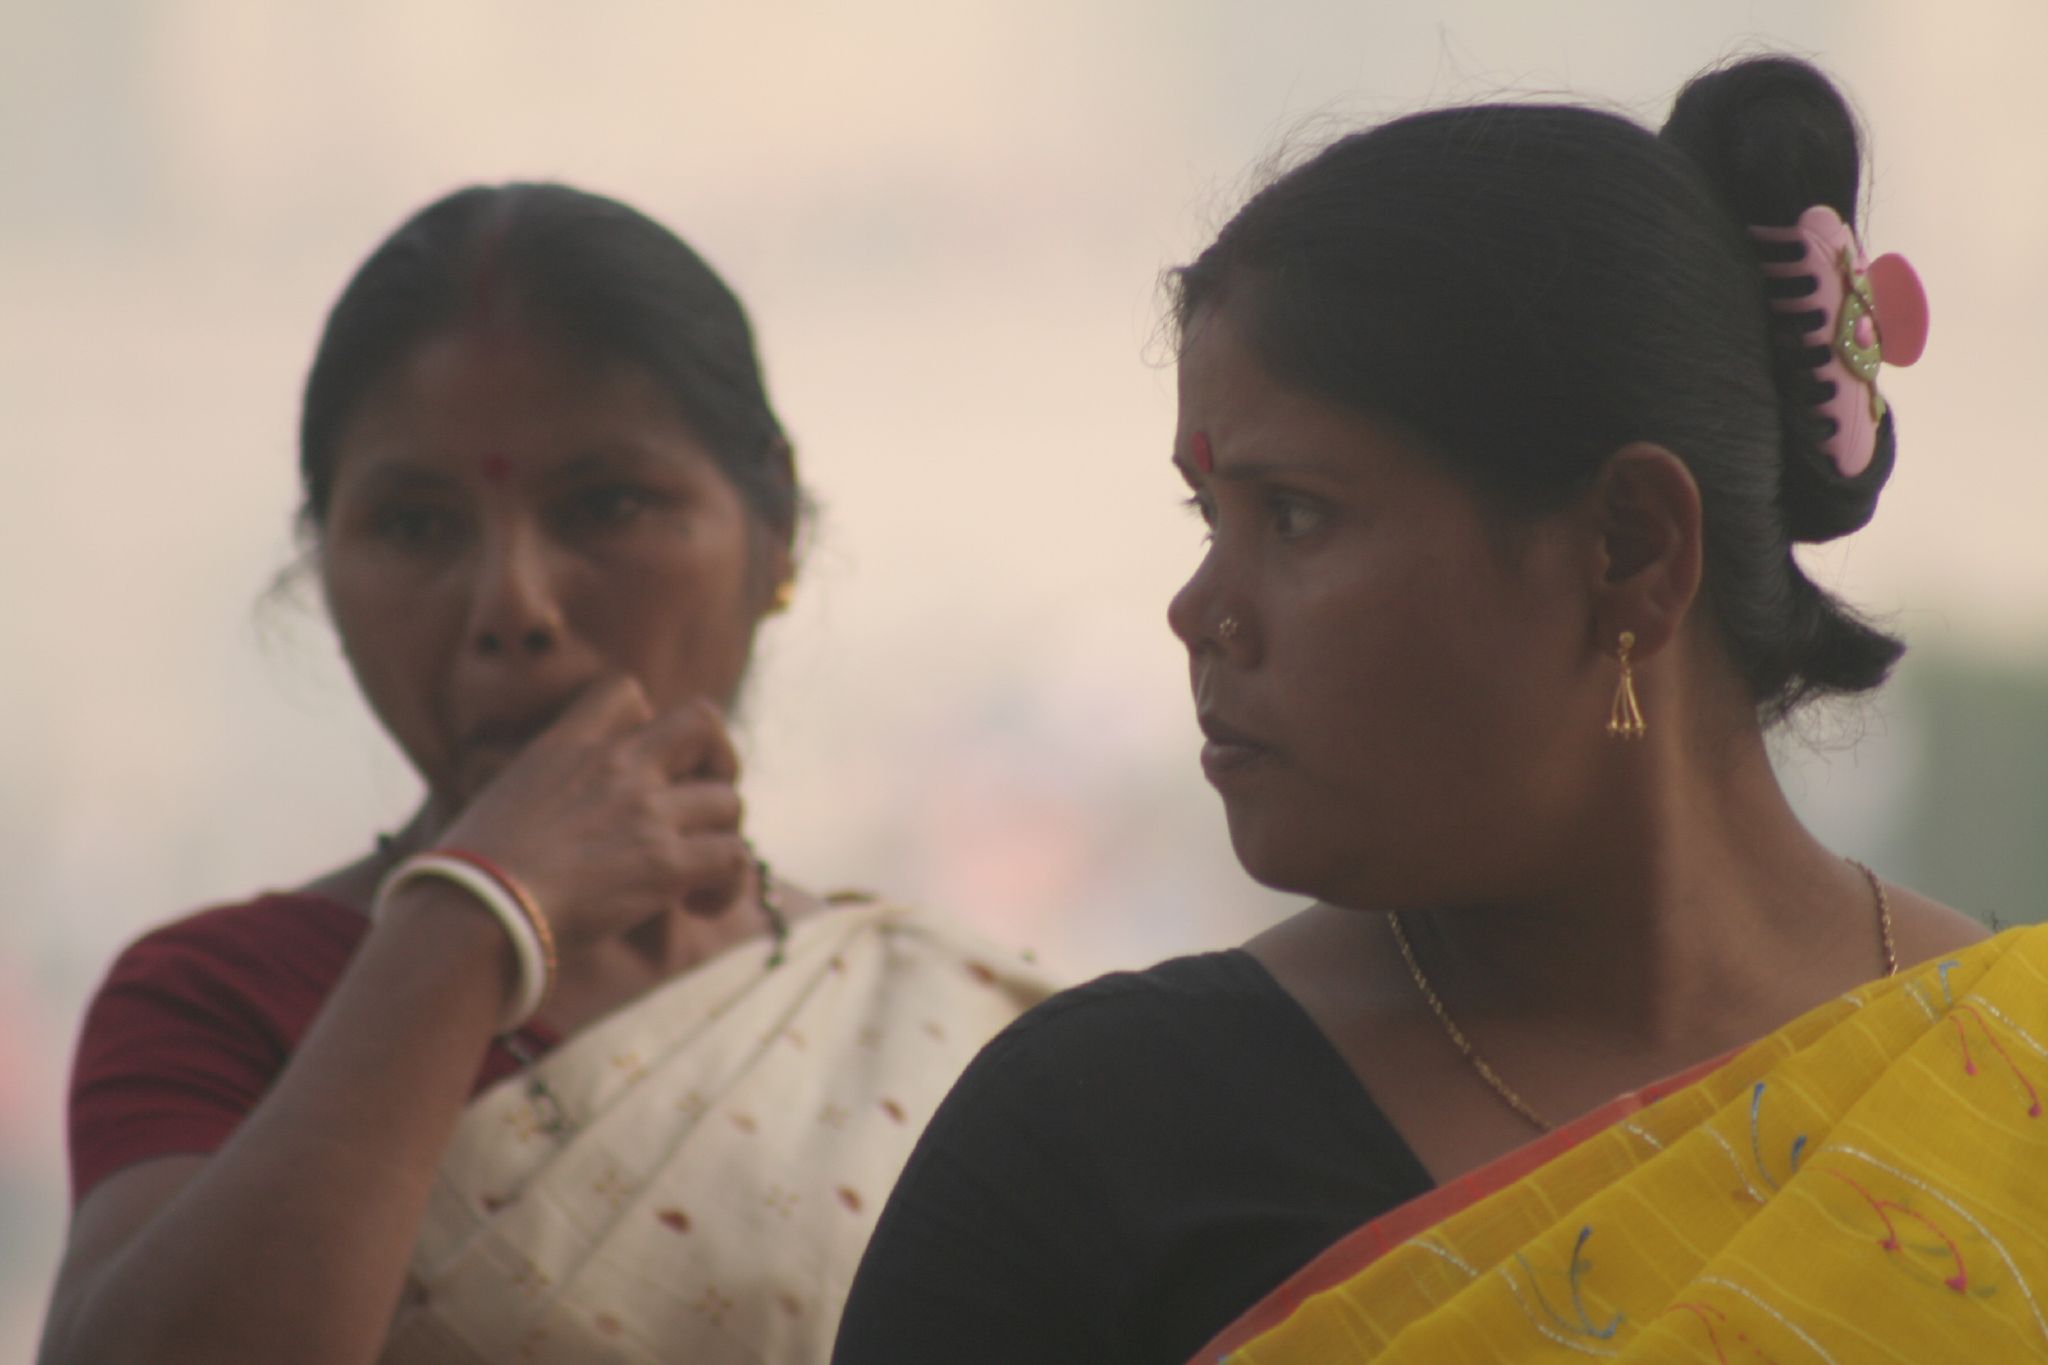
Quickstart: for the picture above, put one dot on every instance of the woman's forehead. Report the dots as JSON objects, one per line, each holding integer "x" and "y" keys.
{"x": 501, "y": 407}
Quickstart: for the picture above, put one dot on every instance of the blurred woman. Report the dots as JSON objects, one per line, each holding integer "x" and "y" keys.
{"x": 1505, "y": 422}
{"x": 558, "y": 1071}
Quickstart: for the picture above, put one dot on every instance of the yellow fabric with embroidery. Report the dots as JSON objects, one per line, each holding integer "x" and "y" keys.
{"x": 1869, "y": 1184}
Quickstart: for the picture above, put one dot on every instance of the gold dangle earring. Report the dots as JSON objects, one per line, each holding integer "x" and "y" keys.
{"x": 1625, "y": 717}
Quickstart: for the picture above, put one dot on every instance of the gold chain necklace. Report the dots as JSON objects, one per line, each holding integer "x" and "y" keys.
{"x": 1506, "y": 1091}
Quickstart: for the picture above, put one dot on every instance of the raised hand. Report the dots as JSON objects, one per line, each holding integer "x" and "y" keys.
{"x": 616, "y": 814}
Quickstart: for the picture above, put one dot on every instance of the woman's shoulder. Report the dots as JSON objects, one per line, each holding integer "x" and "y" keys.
{"x": 268, "y": 919}
{"x": 1132, "y": 1033}
{"x": 1166, "y": 993}
{"x": 272, "y": 941}
{"x": 1088, "y": 1097}
{"x": 1926, "y": 928}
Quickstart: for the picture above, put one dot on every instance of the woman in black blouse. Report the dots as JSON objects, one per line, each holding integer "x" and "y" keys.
{"x": 1503, "y": 451}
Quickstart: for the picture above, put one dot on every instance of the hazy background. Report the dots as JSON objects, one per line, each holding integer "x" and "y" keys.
{"x": 948, "y": 221}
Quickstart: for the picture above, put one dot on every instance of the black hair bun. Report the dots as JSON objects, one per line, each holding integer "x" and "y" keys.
{"x": 1774, "y": 138}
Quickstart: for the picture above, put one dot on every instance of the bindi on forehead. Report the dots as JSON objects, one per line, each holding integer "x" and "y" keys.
{"x": 1199, "y": 451}
{"x": 496, "y": 467}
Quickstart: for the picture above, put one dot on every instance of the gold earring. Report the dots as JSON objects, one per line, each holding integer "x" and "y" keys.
{"x": 1625, "y": 717}
{"x": 779, "y": 600}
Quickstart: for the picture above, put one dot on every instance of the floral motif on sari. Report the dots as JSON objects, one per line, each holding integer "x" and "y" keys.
{"x": 695, "y": 1176}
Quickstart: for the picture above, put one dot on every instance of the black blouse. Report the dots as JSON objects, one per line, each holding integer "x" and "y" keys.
{"x": 1120, "y": 1174}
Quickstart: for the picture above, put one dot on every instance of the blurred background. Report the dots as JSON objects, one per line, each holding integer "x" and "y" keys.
{"x": 949, "y": 222}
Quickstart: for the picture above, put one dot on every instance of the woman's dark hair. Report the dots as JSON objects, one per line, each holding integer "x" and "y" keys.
{"x": 595, "y": 276}
{"x": 1528, "y": 288}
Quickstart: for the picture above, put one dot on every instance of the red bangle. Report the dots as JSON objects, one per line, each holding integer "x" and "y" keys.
{"x": 528, "y": 907}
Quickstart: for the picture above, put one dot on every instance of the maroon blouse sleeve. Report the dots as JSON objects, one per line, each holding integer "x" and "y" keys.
{"x": 196, "y": 1020}
{"x": 193, "y": 1023}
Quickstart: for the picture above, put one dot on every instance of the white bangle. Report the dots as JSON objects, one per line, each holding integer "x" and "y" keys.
{"x": 514, "y": 911}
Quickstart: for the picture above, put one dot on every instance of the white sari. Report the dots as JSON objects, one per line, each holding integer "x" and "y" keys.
{"x": 694, "y": 1178}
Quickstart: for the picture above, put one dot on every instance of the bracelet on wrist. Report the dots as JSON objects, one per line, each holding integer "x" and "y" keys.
{"x": 533, "y": 940}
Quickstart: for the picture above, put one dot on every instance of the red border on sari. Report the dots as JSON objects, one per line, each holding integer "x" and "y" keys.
{"x": 1357, "y": 1250}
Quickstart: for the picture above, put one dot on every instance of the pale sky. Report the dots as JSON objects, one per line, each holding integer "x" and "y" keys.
{"x": 948, "y": 221}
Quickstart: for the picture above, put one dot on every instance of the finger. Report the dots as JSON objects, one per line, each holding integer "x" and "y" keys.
{"x": 690, "y": 740}
{"x": 706, "y": 807}
{"x": 612, "y": 705}
{"x": 711, "y": 870}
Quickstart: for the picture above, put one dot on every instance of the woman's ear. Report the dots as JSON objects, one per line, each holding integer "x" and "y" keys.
{"x": 777, "y": 576}
{"x": 1645, "y": 510}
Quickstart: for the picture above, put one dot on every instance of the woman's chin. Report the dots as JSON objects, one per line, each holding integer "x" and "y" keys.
{"x": 1267, "y": 856}
{"x": 1279, "y": 856}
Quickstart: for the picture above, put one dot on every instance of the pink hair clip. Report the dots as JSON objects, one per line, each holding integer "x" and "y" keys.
{"x": 1872, "y": 313}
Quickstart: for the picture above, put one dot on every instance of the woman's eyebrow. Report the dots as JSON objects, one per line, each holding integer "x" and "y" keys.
{"x": 1280, "y": 465}
{"x": 1257, "y": 470}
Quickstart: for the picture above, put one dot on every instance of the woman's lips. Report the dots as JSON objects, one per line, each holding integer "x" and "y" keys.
{"x": 1228, "y": 752}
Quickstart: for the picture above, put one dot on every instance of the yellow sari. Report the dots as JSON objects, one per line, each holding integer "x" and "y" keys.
{"x": 1868, "y": 1184}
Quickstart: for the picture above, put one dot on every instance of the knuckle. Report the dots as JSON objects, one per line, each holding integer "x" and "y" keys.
{"x": 617, "y": 763}
{"x": 705, "y": 719}
{"x": 715, "y": 855}
{"x": 620, "y": 694}
{"x": 724, "y": 812}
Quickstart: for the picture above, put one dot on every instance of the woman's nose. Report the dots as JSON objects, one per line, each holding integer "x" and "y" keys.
{"x": 515, "y": 607}
{"x": 537, "y": 639}
{"x": 1188, "y": 613}
{"x": 1211, "y": 618}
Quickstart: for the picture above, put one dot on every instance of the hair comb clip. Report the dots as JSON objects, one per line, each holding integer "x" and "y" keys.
{"x": 1871, "y": 313}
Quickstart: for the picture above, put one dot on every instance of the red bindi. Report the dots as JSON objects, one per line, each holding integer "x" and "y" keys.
{"x": 1199, "y": 452}
{"x": 497, "y": 468}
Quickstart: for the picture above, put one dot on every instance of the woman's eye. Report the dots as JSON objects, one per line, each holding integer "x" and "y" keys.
{"x": 608, "y": 505}
{"x": 1199, "y": 504}
{"x": 414, "y": 525}
{"x": 1295, "y": 516}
